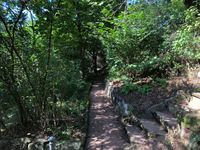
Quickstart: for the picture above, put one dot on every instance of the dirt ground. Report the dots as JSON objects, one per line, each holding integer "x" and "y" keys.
{"x": 141, "y": 102}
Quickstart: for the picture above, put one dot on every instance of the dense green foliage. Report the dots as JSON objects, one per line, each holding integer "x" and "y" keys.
{"x": 151, "y": 39}
{"x": 44, "y": 48}
{"x": 48, "y": 53}
{"x": 50, "y": 49}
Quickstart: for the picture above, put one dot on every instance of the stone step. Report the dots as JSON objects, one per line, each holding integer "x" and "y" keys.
{"x": 151, "y": 145}
{"x": 135, "y": 135}
{"x": 178, "y": 109}
{"x": 152, "y": 128}
{"x": 166, "y": 119}
{"x": 185, "y": 106}
{"x": 139, "y": 141}
{"x": 188, "y": 105}
{"x": 161, "y": 106}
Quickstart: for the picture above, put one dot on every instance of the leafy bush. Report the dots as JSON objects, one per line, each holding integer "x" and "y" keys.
{"x": 187, "y": 41}
{"x": 137, "y": 40}
{"x": 144, "y": 89}
{"x": 130, "y": 87}
{"x": 162, "y": 82}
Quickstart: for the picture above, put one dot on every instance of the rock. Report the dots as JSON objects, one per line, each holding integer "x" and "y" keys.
{"x": 198, "y": 74}
{"x": 166, "y": 119}
{"x": 152, "y": 128}
{"x": 196, "y": 94}
{"x": 37, "y": 144}
{"x": 109, "y": 88}
{"x": 156, "y": 107}
{"x": 123, "y": 108}
{"x": 181, "y": 95}
{"x": 135, "y": 135}
{"x": 194, "y": 104}
{"x": 69, "y": 145}
{"x": 173, "y": 109}
{"x": 184, "y": 106}
{"x": 178, "y": 110}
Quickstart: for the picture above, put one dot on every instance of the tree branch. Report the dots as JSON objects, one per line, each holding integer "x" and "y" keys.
{"x": 16, "y": 22}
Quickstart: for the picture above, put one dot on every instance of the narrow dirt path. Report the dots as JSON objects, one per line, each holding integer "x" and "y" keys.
{"x": 105, "y": 130}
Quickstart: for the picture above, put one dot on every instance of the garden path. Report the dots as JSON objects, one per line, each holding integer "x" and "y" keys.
{"x": 105, "y": 129}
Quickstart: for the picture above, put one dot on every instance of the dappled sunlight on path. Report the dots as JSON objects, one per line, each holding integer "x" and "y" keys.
{"x": 105, "y": 130}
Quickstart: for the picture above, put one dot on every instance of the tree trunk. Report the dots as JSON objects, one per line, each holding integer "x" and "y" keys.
{"x": 18, "y": 101}
{"x": 81, "y": 40}
{"x": 22, "y": 112}
{"x": 2, "y": 124}
{"x": 94, "y": 55}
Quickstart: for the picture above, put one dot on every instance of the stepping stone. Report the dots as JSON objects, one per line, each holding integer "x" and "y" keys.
{"x": 152, "y": 128}
{"x": 135, "y": 135}
{"x": 166, "y": 119}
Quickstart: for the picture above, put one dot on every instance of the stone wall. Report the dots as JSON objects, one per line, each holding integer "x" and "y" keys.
{"x": 121, "y": 105}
